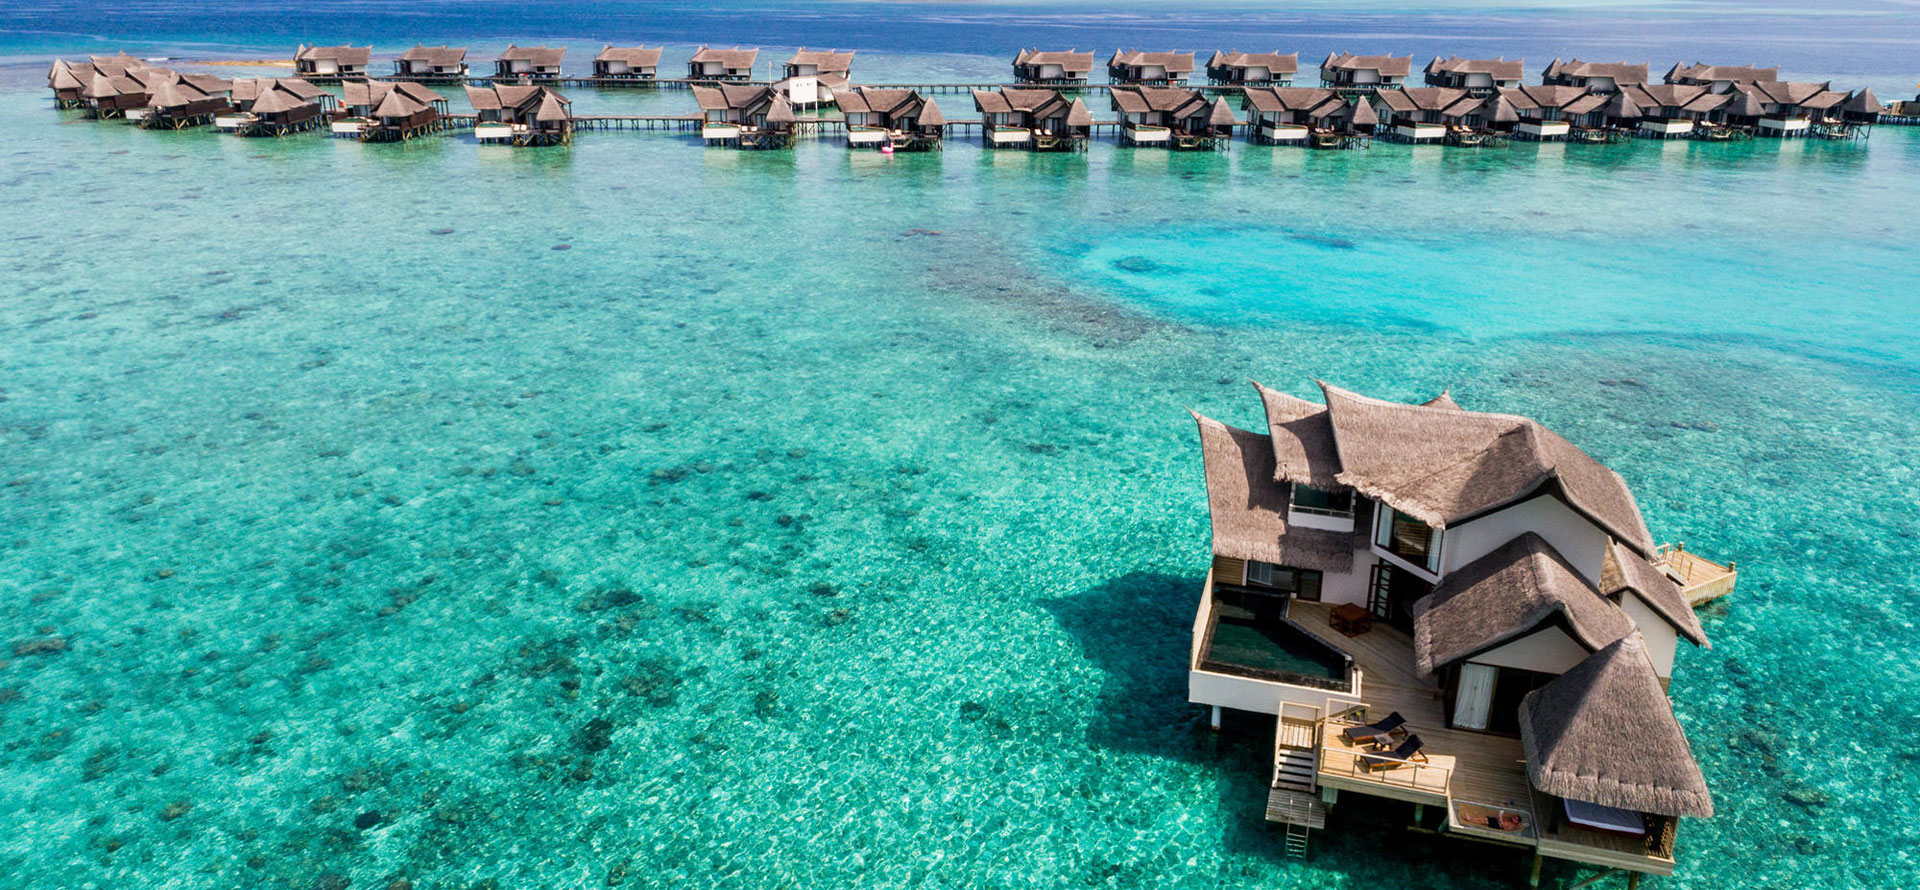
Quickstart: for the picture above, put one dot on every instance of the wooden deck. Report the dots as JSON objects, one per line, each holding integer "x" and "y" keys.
{"x": 1701, "y": 580}
{"x": 1474, "y": 770}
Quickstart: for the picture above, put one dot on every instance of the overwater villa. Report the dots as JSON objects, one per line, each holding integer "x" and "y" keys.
{"x": 1719, "y": 78}
{"x": 1600, "y": 77}
{"x": 432, "y": 63}
{"x": 326, "y": 62}
{"x": 1344, "y": 71}
{"x": 1787, "y": 109}
{"x": 899, "y": 119}
{"x": 1170, "y": 117}
{"x": 1063, "y": 68}
{"x": 1131, "y": 66}
{"x": 115, "y": 90}
{"x": 1253, "y": 69}
{"x": 1431, "y": 114}
{"x": 1457, "y": 610}
{"x": 275, "y": 106}
{"x": 1557, "y": 113}
{"x": 1862, "y": 108}
{"x": 529, "y": 62}
{"x": 1294, "y": 115}
{"x": 521, "y": 116}
{"x": 627, "y": 63}
{"x": 812, "y": 76}
{"x": 389, "y": 111}
{"x": 722, "y": 64}
{"x": 182, "y": 101}
{"x": 64, "y": 79}
{"x": 744, "y": 116}
{"x": 1481, "y": 77}
{"x": 1668, "y": 110}
{"x": 1033, "y": 119}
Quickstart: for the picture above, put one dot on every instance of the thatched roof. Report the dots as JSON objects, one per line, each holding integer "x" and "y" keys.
{"x": 553, "y": 108}
{"x": 930, "y": 115}
{"x": 1623, "y": 106}
{"x": 1249, "y": 508}
{"x": 734, "y": 96}
{"x": 1701, "y": 73}
{"x": 1175, "y": 101}
{"x": 1501, "y": 111}
{"x": 436, "y": 56}
{"x": 824, "y": 59}
{"x": 1277, "y": 99}
{"x": 1604, "y": 733}
{"x": 1448, "y": 101}
{"x": 1624, "y": 571}
{"x": 1387, "y": 65}
{"x": 1747, "y": 104}
{"x": 1446, "y": 466}
{"x": 484, "y": 98}
{"x": 1172, "y": 62}
{"x": 781, "y": 112}
{"x": 1621, "y": 72}
{"x": 1078, "y": 115}
{"x": 373, "y": 92}
{"x": 1500, "y": 69}
{"x": 1302, "y": 444}
{"x": 537, "y": 56}
{"x": 277, "y": 98}
{"x": 1070, "y": 61}
{"x": 1519, "y": 587}
{"x": 63, "y": 77}
{"x": 1862, "y": 102}
{"x": 1275, "y": 62}
{"x": 1363, "y": 114}
{"x": 1222, "y": 114}
{"x": 728, "y": 58}
{"x": 1443, "y": 400}
{"x": 341, "y": 55}
{"x": 398, "y": 104}
{"x": 1530, "y": 96}
{"x": 634, "y": 56}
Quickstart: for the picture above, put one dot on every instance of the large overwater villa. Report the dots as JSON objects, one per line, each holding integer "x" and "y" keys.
{"x": 1458, "y": 610}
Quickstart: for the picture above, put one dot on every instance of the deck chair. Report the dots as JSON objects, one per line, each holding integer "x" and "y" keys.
{"x": 1380, "y": 732}
{"x": 1408, "y": 750}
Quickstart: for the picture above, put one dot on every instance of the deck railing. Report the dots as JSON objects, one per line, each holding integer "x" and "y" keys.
{"x": 1414, "y": 774}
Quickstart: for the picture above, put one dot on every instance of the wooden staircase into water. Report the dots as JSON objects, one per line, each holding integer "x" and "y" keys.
{"x": 1293, "y": 800}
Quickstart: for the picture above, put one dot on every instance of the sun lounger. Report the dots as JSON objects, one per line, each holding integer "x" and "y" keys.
{"x": 1380, "y": 732}
{"x": 1409, "y": 750}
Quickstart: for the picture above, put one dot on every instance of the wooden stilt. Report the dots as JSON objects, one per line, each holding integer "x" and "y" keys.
{"x": 1533, "y": 880}
{"x": 1213, "y": 721}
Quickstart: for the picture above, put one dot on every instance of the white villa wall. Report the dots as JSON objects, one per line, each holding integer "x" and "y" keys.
{"x": 1349, "y": 586}
{"x": 1548, "y": 651}
{"x": 1580, "y": 542}
{"x": 1660, "y": 637}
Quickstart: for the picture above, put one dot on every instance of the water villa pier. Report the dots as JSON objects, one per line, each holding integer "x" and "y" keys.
{"x": 1043, "y": 106}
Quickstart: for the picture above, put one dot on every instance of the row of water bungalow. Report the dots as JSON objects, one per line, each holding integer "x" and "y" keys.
{"x": 1362, "y": 98}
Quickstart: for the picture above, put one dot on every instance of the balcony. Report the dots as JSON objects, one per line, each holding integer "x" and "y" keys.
{"x": 1325, "y": 510}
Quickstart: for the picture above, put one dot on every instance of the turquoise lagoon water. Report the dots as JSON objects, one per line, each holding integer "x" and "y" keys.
{"x": 828, "y": 519}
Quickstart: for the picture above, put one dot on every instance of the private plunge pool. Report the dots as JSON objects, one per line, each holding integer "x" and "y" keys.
{"x": 1250, "y": 635}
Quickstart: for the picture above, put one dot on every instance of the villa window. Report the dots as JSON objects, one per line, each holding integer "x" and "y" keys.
{"x": 1307, "y": 499}
{"x": 1408, "y": 538}
{"x": 1300, "y": 583}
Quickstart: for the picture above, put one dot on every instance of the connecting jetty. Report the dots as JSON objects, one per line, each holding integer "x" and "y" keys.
{"x": 1455, "y": 610}
{"x": 516, "y": 100}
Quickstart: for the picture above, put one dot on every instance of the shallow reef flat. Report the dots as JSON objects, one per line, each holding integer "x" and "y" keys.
{"x": 814, "y": 522}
